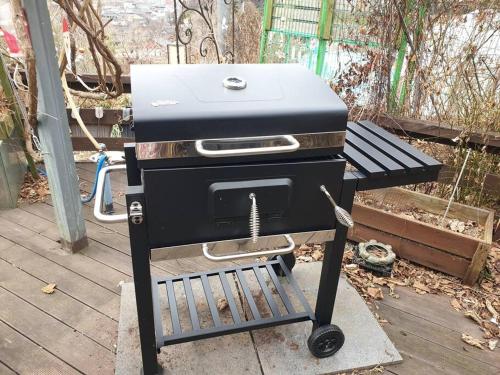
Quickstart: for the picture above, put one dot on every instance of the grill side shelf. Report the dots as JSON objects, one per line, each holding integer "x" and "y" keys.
{"x": 384, "y": 160}
{"x": 264, "y": 273}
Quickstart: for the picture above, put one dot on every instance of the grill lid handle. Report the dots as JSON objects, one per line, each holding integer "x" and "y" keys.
{"x": 244, "y": 146}
{"x": 253, "y": 254}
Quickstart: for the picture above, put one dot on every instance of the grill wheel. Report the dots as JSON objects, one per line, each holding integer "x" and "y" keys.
{"x": 289, "y": 260}
{"x": 325, "y": 341}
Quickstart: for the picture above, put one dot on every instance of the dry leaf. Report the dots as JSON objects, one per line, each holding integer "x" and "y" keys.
{"x": 317, "y": 254}
{"x": 49, "y": 288}
{"x": 472, "y": 341}
{"x": 457, "y": 225}
{"x": 379, "y": 281}
{"x": 492, "y": 344}
{"x": 491, "y": 327}
{"x": 456, "y": 305}
{"x": 421, "y": 287}
{"x": 392, "y": 291}
{"x": 222, "y": 304}
{"x": 351, "y": 266}
{"x": 375, "y": 293}
{"x": 304, "y": 258}
{"x": 473, "y": 315}
{"x": 397, "y": 282}
{"x": 492, "y": 310}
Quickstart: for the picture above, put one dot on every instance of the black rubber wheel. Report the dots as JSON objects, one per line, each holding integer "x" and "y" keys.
{"x": 288, "y": 259}
{"x": 325, "y": 341}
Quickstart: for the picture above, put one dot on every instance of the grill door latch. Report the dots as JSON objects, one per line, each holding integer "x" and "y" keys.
{"x": 136, "y": 213}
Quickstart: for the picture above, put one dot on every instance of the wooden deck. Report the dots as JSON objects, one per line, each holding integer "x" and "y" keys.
{"x": 74, "y": 330}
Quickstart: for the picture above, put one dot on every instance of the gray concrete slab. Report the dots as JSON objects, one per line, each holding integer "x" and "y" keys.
{"x": 232, "y": 354}
{"x": 283, "y": 349}
{"x": 278, "y": 350}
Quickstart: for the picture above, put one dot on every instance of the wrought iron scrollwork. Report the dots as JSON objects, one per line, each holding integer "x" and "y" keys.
{"x": 203, "y": 11}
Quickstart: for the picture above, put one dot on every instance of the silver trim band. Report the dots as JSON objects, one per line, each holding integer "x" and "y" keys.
{"x": 187, "y": 148}
{"x": 240, "y": 246}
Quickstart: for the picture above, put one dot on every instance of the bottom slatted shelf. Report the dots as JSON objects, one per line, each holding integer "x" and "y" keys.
{"x": 230, "y": 300}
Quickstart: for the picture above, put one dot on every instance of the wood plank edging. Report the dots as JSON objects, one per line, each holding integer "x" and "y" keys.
{"x": 427, "y": 234}
{"x": 411, "y": 250}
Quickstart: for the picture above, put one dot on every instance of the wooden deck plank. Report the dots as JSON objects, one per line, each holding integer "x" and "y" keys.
{"x": 5, "y": 243}
{"x": 433, "y": 308}
{"x": 4, "y": 370}
{"x": 49, "y": 249}
{"x": 435, "y": 333}
{"x": 116, "y": 241}
{"x": 67, "y": 281}
{"x": 70, "y": 346}
{"x": 421, "y": 356}
{"x": 72, "y": 312}
{"x": 16, "y": 349}
{"x": 88, "y": 214}
{"x": 44, "y": 213}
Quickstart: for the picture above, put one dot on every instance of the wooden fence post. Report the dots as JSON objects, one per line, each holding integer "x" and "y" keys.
{"x": 53, "y": 130}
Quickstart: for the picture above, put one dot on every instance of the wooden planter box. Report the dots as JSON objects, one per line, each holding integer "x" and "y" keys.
{"x": 435, "y": 247}
{"x": 12, "y": 163}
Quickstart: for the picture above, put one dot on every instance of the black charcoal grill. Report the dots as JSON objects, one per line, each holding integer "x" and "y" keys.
{"x": 238, "y": 161}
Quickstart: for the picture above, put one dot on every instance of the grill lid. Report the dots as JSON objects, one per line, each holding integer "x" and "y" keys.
{"x": 190, "y": 102}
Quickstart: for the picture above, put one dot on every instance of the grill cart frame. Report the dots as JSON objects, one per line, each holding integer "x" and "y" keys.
{"x": 380, "y": 160}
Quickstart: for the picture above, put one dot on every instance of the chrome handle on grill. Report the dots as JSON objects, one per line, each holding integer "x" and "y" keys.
{"x": 343, "y": 217}
{"x": 101, "y": 179}
{"x": 229, "y": 146}
{"x": 253, "y": 254}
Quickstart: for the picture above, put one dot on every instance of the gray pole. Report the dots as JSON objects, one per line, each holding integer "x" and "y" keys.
{"x": 223, "y": 26}
{"x": 53, "y": 130}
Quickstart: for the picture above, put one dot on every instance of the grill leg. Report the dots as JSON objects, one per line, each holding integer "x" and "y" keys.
{"x": 143, "y": 292}
{"x": 332, "y": 262}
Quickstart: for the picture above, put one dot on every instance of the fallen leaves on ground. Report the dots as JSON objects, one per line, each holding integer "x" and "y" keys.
{"x": 456, "y": 305}
{"x": 222, "y": 304}
{"x": 49, "y": 288}
{"x": 468, "y": 339}
{"x": 408, "y": 211}
{"x": 420, "y": 287}
{"x": 492, "y": 344}
{"x": 33, "y": 190}
{"x": 375, "y": 293}
{"x": 370, "y": 371}
{"x": 480, "y": 303}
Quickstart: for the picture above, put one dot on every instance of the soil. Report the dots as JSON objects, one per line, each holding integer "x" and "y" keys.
{"x": 469, "y": 227}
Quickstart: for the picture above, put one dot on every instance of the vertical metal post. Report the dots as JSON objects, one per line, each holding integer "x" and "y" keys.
{"x": 177, "y": 47}
{"x": 396, "y": 77}
{"x": 140, "y": 252}
{"x": 324, "y": 33}
{"x": 266, "y": 27}
{"x": 53, "y": 130}
{"x": 223, "y": 20}
{"x": 332, "y": 262}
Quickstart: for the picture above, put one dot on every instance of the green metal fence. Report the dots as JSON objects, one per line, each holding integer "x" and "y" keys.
{"x": 313, "y": 32}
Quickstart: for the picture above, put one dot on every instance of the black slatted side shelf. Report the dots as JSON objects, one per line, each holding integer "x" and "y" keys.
{"x": 263, "y": 272}
{"x": 384, "y": 160}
